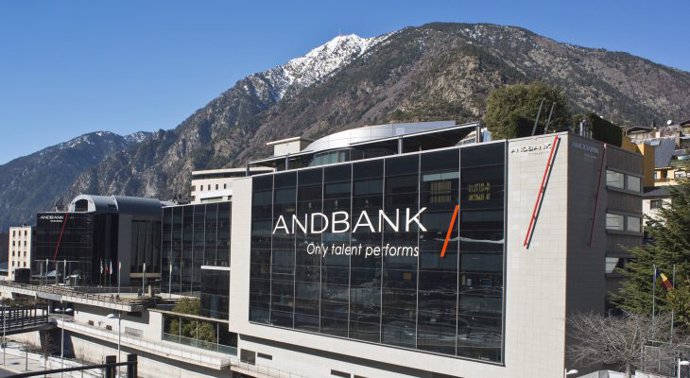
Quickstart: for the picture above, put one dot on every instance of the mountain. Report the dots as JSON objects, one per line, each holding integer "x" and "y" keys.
{"x": 32, "y": 183}
{"x": 436, "y": 71}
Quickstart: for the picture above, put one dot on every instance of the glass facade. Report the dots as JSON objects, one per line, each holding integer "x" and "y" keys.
{"x": 145, "y": 246}
{"x": 215, "y": 292}
{"x": 84, "y": 240}
{"x": 405, "y": 251}
{"x": 195, "y": 236}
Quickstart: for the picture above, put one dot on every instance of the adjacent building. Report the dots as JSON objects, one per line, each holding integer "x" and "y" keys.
{"x": 19, "y": 249}
{"x": 196, "y": 254}
{"x": 95, "y": 236}
{"x": 215, "y": 185}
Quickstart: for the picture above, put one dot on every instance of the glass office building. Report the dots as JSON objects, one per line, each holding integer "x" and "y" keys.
{"x": 97, "y": 233}
{"x": 76, "y": 244}
{"x": 196, "y": 254}
{"x": 406, "y": 250}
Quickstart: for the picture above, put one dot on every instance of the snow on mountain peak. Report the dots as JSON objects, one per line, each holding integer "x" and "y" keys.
{"x": 320, "y": 62}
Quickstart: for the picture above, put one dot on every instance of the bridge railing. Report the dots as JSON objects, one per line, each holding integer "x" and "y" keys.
{"x": 19, "y": 317}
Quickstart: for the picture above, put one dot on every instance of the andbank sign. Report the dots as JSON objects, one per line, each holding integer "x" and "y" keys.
{"x": 339, "y": 222}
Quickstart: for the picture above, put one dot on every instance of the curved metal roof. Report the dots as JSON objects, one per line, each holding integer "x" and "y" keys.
{"x": 138, "y": 205}
{"x": 117, "y": 205}
{"x": 98, "y": 204}
{"x": 349, "y": 137}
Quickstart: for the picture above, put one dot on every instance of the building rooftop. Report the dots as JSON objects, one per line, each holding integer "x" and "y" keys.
{"x": 115, "y": 204}
{"x": 656, "y": 192}
{"x": 372, "y": 141}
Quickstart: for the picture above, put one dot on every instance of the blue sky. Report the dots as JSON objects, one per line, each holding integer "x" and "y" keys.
{"x": 72, "y": 67}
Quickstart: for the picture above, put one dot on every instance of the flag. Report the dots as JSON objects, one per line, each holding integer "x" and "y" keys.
{"x": 665, "y": 282}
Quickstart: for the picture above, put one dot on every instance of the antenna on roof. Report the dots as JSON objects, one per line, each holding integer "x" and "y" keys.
{"x": 548, "y": 121}
{"x": 536, "y": 121}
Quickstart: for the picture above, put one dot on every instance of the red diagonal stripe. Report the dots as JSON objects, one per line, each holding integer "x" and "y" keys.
{"x": 450, "y": 230}
{"x": 62, "y": 230}
{"x": 540, "y": 195}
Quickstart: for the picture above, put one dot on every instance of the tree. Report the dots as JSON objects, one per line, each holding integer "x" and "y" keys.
{"x": 190, "y": 327}
{"x": 622, "y": 342}
{"x": 669, "y": 247}
{"x": 512, "y": 109}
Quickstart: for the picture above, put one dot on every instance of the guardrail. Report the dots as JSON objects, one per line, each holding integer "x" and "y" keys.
{"x": 17, "y": 318}
{"x": 166, "y": 349}
{"x": 85, "y": 295}
{"x": 196, "y": 343}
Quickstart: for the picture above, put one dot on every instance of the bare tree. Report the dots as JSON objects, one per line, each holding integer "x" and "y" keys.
{"x": 621, "y": 341}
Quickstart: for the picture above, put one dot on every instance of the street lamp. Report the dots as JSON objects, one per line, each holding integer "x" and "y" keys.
{"x": 567, "y": 372}
{"x": 4, "y": 326}
{"x": 682, "y": 363}
{"x": 119, "y": 322}
{"x": 62, "y": 334}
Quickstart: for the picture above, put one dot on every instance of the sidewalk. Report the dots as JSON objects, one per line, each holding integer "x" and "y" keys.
{"x": 18, "y": 361}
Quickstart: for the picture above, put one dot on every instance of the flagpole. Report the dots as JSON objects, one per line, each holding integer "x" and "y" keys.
{"x": 673, "y": 280}
{"x": 143, "y": 279}
{"x": 119, "y": 268}
{"x": 653, "y": 294}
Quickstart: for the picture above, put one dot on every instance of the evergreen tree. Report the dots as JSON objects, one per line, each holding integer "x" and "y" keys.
{"x": 512, "y": 109}
{"x": 669, "y": 247}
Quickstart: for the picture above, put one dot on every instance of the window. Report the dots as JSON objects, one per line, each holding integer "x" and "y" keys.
{"x": 632, "y": 224}
{"x": 615, "y": 222}
{"x": 216, "y": 186}
{"x": 248, "y": 356}
{"x": 618, "y": 222}
{"x": 225, "y": 186}
{"x": 193, "y": 188}
{"x": 336, "y": 373}
{"x": 615, "y": 179}
{"x": 634, "y": 183}
{"x": 208, "y": 187}
{"x": 656, "y": 204}
{"x": 264, "y": 356}
{"x": 620, "y": 180}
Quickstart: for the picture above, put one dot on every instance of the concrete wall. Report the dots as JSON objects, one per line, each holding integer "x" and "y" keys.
{"x": 150, "y": 323}
{"x": 149, "y": 365}
{"x": 536, "y": 274}
{"x": 124, "y": 248}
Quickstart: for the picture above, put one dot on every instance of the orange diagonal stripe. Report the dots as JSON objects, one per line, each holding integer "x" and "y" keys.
{"x": 450, "y": 229}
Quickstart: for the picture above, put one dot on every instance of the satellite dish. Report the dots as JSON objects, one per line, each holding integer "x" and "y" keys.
{"x": 669, "y": 122}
